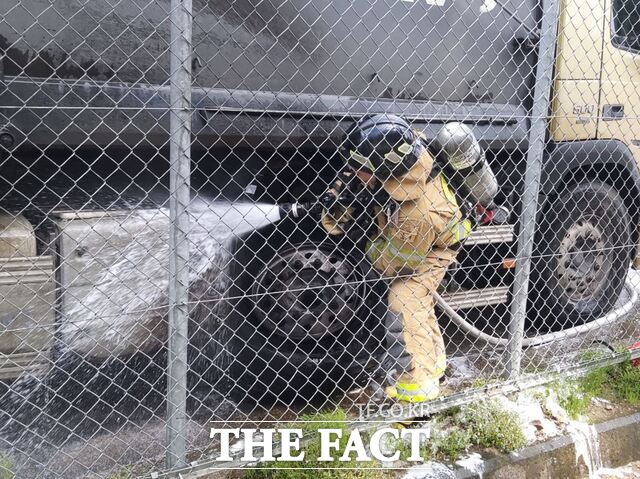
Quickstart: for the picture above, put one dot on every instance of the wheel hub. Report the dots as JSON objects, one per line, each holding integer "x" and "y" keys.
{"x": 308, "y": 291}
{"x": 582, "y": 260}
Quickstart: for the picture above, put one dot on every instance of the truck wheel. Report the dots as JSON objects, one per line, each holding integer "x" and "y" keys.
{"x": 585, "y": 250}
{"x": 310, "y": 319}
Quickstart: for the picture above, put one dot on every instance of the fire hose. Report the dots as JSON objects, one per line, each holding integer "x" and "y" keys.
{"x": 470, "y": 329}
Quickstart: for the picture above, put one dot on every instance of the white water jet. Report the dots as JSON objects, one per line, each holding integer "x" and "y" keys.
{"x": 429, "y": 470}
{"x": 587, "y": 445}
{"x": 123, "y": 309}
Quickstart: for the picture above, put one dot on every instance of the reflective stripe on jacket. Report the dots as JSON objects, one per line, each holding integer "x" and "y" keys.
{"x": 417, "y": 227}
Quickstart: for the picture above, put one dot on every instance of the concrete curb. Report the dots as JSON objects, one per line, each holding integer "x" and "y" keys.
{"x": 556, "y": 458}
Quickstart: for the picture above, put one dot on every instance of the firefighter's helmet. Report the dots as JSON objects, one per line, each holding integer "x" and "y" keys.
{"x": 383, "y": 145}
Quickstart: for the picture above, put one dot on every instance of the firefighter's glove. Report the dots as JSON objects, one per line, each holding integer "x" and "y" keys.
{"x": 337, "y": 219}
{"x": 339, "y": 193}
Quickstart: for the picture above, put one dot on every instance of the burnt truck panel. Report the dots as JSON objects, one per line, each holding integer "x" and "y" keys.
{"x": 462, "y": 51}
{"x": 291, "y": 76}
{"x": 44, "y": 113}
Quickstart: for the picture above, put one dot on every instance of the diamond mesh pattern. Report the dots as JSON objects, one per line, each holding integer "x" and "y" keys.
{"x": 282, "y": 317}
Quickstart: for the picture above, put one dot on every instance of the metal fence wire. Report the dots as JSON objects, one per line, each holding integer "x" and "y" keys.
{"x": 169, "y": 255}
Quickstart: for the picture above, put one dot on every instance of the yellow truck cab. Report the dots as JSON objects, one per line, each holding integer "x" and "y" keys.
{"x": 593, "y": 147}
{"x": 596, "y": 94}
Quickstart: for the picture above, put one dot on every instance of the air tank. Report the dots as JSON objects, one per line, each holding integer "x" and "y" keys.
{"x": 465, "y": 163}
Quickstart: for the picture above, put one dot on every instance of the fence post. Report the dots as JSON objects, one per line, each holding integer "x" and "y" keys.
{"x": 179, "y": 187}
{"x": 529, "y": 208}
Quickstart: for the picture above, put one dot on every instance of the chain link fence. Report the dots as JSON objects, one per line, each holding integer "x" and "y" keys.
{"x": 155, "y": 276}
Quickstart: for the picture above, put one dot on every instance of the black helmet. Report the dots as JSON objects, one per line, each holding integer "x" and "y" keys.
{"x": 383, "y": 145}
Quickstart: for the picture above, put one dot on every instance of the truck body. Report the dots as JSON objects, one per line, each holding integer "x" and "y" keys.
{"x": 84, "y": 120}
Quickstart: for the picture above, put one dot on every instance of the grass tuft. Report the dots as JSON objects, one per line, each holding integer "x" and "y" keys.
{"x": 6, "y": 468}
{"x": 619, "y": 382}
{"x": 573, "y": 398}
{"x": 311, "y": 468}
{"x": 624, "y": 380}
{"x": 490, "y": 425}
{"x": 450, "y": 445}
{"x": 485, "y": 424}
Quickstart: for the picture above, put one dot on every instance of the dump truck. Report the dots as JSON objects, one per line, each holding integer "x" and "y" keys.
{"x": 84, "y": 132}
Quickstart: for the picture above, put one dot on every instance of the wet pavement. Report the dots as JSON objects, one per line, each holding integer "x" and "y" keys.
{"x": 630, "y": 471}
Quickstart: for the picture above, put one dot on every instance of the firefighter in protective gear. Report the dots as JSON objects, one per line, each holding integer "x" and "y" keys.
{"x": 414, "y": 242}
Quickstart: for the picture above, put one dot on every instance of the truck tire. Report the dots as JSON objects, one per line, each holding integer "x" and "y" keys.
{"x": 586, "y": 245}
{"x": 311, "y": 340}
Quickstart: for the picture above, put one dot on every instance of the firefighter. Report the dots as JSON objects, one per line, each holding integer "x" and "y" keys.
{"x": 415, "y": 240}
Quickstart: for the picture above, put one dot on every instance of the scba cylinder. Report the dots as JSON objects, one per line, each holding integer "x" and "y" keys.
{"x": 466, "y": 164}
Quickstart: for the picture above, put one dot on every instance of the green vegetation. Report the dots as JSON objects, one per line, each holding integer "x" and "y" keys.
{"x": 454, "y": 432}
{"x": 311, "y": 468}
{"x": 404, "y": 448}
{"x": 485, "y": 382}
{"x": 619, "y": 382}
{"x": 571, "y": 397}
{"x": 489, "y": 425}
{"x": 450, "y": 445}
{"x": 592, "y": 383}
{"x": 479, "y": 383}
{"x": 121, "y": 475}
{"x": 593, "y": 354}
{"x": 483, "y": 424}
{"x": 6, "y": 468}
{"x": 624, "y": 381}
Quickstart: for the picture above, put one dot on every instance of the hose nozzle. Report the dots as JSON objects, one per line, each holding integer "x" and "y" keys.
{"x": 297, "y": 210}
